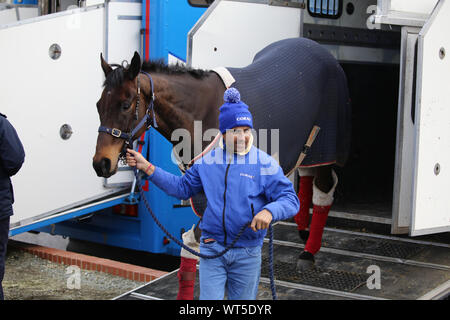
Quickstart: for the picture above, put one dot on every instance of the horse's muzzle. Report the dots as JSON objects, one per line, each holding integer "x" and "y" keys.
{"x": 103, "y": 167}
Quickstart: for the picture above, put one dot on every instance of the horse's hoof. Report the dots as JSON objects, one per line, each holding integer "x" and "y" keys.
{"x": 305, "y": 262}
{"x": 304, "y": 234}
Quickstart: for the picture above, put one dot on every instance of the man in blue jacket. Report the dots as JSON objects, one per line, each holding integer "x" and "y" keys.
{"x": 12, "y": 156}
{"x": 241, "y": 184}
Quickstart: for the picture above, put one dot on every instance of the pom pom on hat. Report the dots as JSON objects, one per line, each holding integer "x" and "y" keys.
{"x": 232, "y": 95}
{"x": 234, "y": 112}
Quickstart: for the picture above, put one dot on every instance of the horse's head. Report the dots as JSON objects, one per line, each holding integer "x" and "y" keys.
{"x": 121, "y": 107}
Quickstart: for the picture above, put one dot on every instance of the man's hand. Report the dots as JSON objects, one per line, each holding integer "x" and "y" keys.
{"x": 261, "y": 220}
{"x": 136, "y": 159}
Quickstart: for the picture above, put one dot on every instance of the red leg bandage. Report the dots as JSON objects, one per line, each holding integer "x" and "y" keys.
{"x": 318, "y": 221}
{"x": 186, "y": 279}
{"x": 305, "y": 191}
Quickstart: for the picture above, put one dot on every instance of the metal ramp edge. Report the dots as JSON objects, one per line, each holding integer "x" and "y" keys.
{"x": 73, "y": 212}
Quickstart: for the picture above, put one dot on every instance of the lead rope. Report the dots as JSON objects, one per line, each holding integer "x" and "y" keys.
{"x": 201, "y": 255}
{"x": 272, "y": 279}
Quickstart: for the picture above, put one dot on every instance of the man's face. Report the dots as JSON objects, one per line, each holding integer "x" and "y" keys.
{"x": 237, "y": 138}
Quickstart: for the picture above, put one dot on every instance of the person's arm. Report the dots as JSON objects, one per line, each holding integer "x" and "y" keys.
{"x": 179, "y": 187}
{"x": 280, "y": 192}
{"x": 284, "y": 202}
{"x": 12, "y": 154}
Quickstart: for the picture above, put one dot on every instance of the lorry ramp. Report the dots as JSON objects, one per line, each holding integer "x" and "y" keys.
{"x": 351, "y": 265}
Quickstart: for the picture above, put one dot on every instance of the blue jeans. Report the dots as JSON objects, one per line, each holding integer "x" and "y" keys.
{"x": 4, "y": 232}
{"x": 238, "y": 271}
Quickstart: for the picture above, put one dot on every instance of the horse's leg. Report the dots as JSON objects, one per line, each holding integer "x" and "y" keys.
{"x": 324, "y": 184}
{"x": 305, "y": 192}
{"x": 197, "y": 232}
{"x": 188, "y": 269}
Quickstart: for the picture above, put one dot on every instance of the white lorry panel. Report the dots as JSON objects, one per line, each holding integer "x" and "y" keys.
{"x": 124, "y": 24}
{"x": 224, "y": 36}
{"x": 404, "y": 12}
{"x": 8, "y": 15}
{"x": 40, "y": 94}
{"x": 122, "y": 40}
{"x": 405, "y": 146}
{"x": 431, "y": 207}
{"x": 14, "y": 13}
{"x": 413, "y": 6}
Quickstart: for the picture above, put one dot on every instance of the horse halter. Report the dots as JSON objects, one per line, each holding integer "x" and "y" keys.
{"x": 128, "y": 136}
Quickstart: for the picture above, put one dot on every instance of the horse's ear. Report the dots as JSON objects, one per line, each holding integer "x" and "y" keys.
{"x": 105, "y": 66}
{"x": 135, "y": 66}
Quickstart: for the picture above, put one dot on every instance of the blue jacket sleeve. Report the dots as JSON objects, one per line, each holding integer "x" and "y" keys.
{"x": 182, "y": 187}
{"x": 12, "y": 154}
{"x": 280, "y": 192}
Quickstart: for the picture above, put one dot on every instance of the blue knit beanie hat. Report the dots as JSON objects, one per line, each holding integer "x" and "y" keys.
{"x": 234, "y": 112}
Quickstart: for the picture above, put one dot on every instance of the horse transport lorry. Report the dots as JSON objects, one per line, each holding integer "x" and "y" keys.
{"x": 57, "y": 189}
{"x": 387, "y": 234}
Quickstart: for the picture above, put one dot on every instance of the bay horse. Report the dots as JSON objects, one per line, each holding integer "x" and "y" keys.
{"x": 292, "y": 85}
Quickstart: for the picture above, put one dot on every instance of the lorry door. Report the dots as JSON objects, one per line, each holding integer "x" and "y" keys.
{"x": 431, "y": 180}
{"x": 50, "y": 83}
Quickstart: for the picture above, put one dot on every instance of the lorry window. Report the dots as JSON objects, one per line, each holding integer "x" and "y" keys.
{"x": 325, "y": 8}
{"x": 200, "y": 3}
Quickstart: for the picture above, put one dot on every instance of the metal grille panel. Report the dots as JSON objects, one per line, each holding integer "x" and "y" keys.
{"x": 317, "y": 277}
{"x": 386, "y": 248}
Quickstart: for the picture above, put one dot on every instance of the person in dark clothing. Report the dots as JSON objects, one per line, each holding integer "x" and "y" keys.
{"x": 12, "y": 157}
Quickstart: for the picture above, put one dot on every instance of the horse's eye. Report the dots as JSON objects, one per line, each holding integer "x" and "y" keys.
{"x": 126, "y": 105}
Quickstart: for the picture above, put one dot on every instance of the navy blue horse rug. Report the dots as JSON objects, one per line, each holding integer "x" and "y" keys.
{"x": 292, "y": 85}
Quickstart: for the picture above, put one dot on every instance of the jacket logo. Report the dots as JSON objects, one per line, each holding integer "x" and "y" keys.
{"x": 246, "y": 175}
